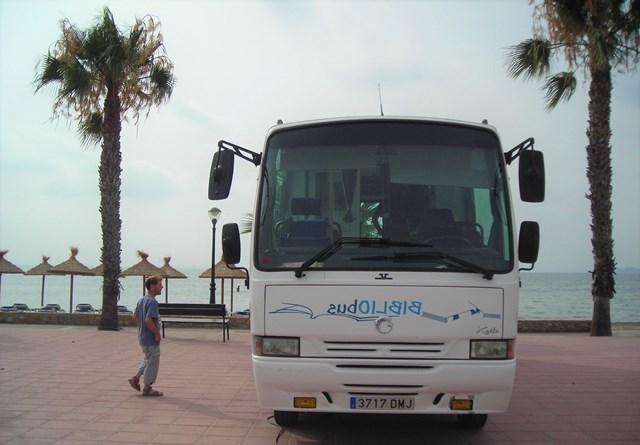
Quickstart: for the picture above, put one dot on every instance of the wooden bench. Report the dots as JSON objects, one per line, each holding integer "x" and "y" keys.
{"x": 194, "y": 313}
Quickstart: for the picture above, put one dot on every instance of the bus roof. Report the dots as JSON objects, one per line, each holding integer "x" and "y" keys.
{"x": 308, "y": 123}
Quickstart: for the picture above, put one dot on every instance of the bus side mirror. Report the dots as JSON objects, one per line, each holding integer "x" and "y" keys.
{"x": 528, "y": 242}
{"x": 231, "y": 243}
{"x": 531, "y": 176}
{"x": 221, "y": 174}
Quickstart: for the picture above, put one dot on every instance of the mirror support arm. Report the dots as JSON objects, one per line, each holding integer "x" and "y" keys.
{"x": 244, "y": 153}
{"x": 515, "y": 151}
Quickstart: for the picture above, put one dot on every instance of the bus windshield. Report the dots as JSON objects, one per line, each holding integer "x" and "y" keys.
{"x": 434, "y": 193}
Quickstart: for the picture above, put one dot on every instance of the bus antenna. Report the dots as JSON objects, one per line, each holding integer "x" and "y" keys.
{"x": 380, "y": 97}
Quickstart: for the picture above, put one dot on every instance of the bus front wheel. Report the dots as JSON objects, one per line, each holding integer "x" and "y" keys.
{"x": 285, "y": 418}
{"x": 472, "y": 421}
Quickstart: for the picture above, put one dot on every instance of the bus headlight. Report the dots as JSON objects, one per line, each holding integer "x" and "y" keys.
{"x": 276, "y": 346}
{"x": 492, "y": 349}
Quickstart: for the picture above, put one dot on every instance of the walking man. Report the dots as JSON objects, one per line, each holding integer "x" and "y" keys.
{"x": 148, "y": 320}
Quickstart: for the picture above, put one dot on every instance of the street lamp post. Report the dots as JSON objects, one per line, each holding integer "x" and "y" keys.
{"x": 214, "y": 215}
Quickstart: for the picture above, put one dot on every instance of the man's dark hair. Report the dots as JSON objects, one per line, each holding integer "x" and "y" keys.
{"x": 151, "y": 281}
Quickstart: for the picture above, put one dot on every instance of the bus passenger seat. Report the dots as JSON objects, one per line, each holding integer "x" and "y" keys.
{"x": 307, "y": 226}
{"x": 439, "y": 224}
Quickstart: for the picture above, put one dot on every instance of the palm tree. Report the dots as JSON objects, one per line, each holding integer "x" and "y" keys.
{"x": 595, "y": 36}
{"x": 101, "y": 76}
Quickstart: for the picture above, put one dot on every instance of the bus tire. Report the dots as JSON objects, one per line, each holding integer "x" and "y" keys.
{"x": 285, "y": 418}
{"x": 472, "y": 421}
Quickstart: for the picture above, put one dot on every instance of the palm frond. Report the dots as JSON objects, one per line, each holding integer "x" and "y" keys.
{"x": 630, "y": 22}
{"x": 367, "y": 212}
{"x": 90, "y": 130}
{"x": 530, "y": 58}
{"x": 134, "y": 38}
{"x": 606, "y": 50}
{"x": 105, "y": 49}
{"x": 75, "y": 80}
{"x": 559, "y": 87}
{"x": 51, "y": 71}
{"x": 163, "y": 81}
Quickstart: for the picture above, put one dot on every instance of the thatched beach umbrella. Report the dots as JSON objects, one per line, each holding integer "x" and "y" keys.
{"x": 98, "y": 270}
{"x": 169, "y": 272}
{"x": 143, "y": 268}
{"x": 71, "y": 267}
{"x": 7, "y": 266}
{"x": 41, "y": 269}
{"x": 224, "y": 272}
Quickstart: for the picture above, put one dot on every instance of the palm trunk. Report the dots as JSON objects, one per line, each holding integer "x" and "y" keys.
{"x": 109, "y": 172}
{"x": 600, "y": 191}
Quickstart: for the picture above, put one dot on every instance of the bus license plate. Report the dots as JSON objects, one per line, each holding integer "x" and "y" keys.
{"x": 378, "y": 403}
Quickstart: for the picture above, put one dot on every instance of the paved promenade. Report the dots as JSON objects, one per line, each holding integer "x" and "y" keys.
{"x": 68, "y": 385}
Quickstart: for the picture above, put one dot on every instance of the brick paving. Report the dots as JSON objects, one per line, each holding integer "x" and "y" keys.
{"x": 68, "y": 385}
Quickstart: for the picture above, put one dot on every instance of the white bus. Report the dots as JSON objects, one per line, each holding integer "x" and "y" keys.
{"x": 384, "y": 269}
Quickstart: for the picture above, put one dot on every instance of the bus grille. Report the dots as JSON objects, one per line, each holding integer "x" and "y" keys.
{"x": 391, "y": 350}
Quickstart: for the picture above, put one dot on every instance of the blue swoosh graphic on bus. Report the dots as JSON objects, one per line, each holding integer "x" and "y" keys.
{"x": 475, "y": 310}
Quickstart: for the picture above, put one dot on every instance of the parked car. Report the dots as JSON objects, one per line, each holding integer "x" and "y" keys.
{"x": 52, "y": 307}
{"x": 123, "y": 310}
{"x": 7, "y": 309}
{"x": 21, "y": 307}
{"x": 245, "y": 313}
{"x": 85, "y": 308}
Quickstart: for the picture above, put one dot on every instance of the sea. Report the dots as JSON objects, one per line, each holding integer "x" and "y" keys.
{"x": 543, "y": 296}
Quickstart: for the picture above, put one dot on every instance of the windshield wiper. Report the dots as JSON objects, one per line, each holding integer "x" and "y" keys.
{"x": 421, "y": 256}
{"x": 363, "y": 242}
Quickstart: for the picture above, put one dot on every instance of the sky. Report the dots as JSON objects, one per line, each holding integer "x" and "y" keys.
{"x": 241, "y": 66}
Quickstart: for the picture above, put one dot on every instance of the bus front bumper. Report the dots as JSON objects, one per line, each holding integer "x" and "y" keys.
{"x": 410, "y": 387}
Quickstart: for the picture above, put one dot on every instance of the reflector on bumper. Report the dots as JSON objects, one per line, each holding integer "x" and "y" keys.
{"x": 461, "y": 404}
{"x": 304, "y": 402}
